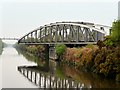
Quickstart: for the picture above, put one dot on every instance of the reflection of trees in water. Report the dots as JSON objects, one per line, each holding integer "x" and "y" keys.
{"x": 62, "y": 74}
{"x": 89, "y": 79}
{"x": 34, "y": 58}
{"x": 46, "y": 80}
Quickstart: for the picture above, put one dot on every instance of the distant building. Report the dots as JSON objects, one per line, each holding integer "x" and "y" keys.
{"x": 119, "y": 10}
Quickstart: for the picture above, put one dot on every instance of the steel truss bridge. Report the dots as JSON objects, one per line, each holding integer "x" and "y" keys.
{"x": 65, "y": 33}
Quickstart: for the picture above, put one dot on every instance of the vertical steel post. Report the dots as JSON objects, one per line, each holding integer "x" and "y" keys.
{"x": 35, "y": 77}
{"x": 56, "y": 34}
{"x": 63, "y": 34}
{"x": 50, "y": 81}
{"x": 44, "y": 81}
{"x": 51, "y": 34}
{"x": 45, "y": 39}
{"x": 31, "y": 75}
{"x": 40, "y": 79}
{"x": 31, "y": 37}
{"x": 77, "y": 39}
{"x": 36, "y": 36}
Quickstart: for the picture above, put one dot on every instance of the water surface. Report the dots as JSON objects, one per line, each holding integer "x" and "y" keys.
{"x": 28, "y": 71}
{"x": 11, "y": 78}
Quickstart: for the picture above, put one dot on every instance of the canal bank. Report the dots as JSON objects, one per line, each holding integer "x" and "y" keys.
{"x": 66, "y": 72}
{"x": 102, "y": 61}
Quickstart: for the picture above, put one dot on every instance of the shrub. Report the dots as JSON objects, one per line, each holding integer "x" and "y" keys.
{"x": 100, "y": 56}
{"x": 108, "y": 42}
{"x": 115, "y": 31}
{"x": 60, "y": 49}
{"x": 118, "y": 77}
{"x": 83, "y": 57}
{"x": 40, "y": 48}
{"x": 107, "y": 62}
{"x": 70, "y": 55}
{"x": 31, "y": 49}
{"x": 104, "y": 61}
{"x": 100, "y": 44}
{"x": 104, "y": 69}
{"x": 90, "y": 46}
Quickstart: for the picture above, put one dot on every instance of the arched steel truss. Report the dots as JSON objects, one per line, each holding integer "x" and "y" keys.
{"x": 65, "y": 33}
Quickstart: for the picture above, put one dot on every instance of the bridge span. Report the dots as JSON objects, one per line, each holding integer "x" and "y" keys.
{"x": 65, "y": 33}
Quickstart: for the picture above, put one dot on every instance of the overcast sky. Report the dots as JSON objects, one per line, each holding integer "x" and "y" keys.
{"x": 18, "y": 17}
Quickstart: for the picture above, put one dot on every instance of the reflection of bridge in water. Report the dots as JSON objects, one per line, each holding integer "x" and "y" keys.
{"x": 45, "y": 80}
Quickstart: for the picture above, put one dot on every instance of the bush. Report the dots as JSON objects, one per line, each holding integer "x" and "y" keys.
{"x": 118, "y": 77}
{"x": 82, "y": 57}
{"x": 32, "y": 49}
{"x": 100, "y": 44}
{"x": 115, "y": 31}
{"x": 103, "y": 61}
{"x": 108, "y": 42}
{"x": 107, "y": 62}
{"x": 60, "y": 49}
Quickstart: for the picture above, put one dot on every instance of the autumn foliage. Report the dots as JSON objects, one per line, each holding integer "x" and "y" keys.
{"x": 104, "y": 61}
{"x": 80, "y": 56}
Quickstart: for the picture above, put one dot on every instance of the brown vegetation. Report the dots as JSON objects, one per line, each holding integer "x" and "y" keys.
{"x": 103, "y": 61}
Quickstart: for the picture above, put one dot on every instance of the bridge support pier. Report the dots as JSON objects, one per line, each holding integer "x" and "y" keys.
{"x": 46, "y": 56}
{"x": 52, "y": 52}
{"x": 46, "y": 51}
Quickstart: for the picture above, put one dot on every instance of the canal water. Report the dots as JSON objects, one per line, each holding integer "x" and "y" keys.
{"x": 27, "y": 71}
{"x": 11, "y": 78}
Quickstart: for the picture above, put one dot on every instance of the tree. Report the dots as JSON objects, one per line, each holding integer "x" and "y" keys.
{"x": 60, "y": 49}
{"x": 114, "y": 38}
{"x": 115, "y": 31}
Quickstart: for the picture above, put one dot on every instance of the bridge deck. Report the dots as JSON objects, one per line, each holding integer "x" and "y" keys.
{"x": 59, "y": 43}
